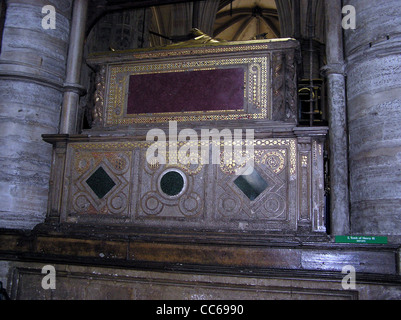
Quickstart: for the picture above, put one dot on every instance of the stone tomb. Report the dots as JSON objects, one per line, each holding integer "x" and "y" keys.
{"x": 102, "y": 177}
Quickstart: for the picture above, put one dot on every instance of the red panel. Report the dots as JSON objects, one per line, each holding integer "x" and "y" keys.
{"x": 205, "y": 90}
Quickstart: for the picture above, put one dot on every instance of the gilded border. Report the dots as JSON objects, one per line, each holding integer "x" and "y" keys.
{"x": 255, "y": 90}
{"x": 128, "y": 145}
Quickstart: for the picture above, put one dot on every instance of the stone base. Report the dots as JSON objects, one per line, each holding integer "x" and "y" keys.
{"x": 134, "y": 267}
{"x": 91, "y": 282}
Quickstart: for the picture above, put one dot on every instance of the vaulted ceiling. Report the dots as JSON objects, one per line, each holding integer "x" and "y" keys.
{"x": 246, "y": 20}
{"x": 98, "y": 8}
{"x": 239, "y": 19}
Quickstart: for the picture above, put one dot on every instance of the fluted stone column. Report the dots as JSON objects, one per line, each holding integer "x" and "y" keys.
{"x": 373, "y": 52}
{"x": 32, "y": 73}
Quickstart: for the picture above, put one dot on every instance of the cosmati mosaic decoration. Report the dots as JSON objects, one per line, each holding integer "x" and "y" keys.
{"x": 255, "y": 91}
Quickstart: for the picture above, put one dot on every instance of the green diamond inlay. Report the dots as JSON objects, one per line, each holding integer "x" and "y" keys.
{"x": 100, "y": 182}
{"x": 252, "y": 185}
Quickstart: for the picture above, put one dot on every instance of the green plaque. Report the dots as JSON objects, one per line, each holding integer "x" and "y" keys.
{"x": 361, "y": 239}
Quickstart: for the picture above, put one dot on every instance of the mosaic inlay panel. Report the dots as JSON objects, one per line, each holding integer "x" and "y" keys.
{"x": 262, "y": 195}
{"x": 100, "y": 183}
{"x": 111, "y": 181}
{"x": 255, "y": 91}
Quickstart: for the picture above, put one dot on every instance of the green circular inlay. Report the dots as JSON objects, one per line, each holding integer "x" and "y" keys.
{"x": 172, "y": 183}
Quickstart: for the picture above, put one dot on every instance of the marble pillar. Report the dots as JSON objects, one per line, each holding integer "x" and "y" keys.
{"x": 73, "y": 88}
{"x": 334, "y": 71}
{"x": 32, "y": 73}
{"x": 373, "y": 53}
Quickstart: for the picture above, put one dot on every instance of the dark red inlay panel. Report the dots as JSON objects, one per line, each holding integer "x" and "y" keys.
{"x": 205, "y": 90}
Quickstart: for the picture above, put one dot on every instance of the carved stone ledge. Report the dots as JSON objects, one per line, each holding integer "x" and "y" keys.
{"x": 311, "y": 258}
{"x": 31, "y": 78}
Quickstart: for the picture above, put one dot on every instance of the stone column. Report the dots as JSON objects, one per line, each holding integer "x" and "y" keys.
{"x": 73, "y": 89}
{"x": 373, "y": 52}
{"x": 32, "y": 71}
{"x": 334, "y": 71}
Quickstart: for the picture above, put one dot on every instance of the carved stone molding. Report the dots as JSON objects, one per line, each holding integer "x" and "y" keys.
{"x": 334, "y": 68}
{"x": 285, "y": 86}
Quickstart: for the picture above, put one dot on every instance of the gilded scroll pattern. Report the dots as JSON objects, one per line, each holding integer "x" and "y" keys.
{"x": 291, "y": 87}
{"x": 97, "y": 111}
{"x": 284, "y": 86}
{"x": 229, "y": 168}
{"x": 274, "y": 159}
{"x": 278, "y": 85}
